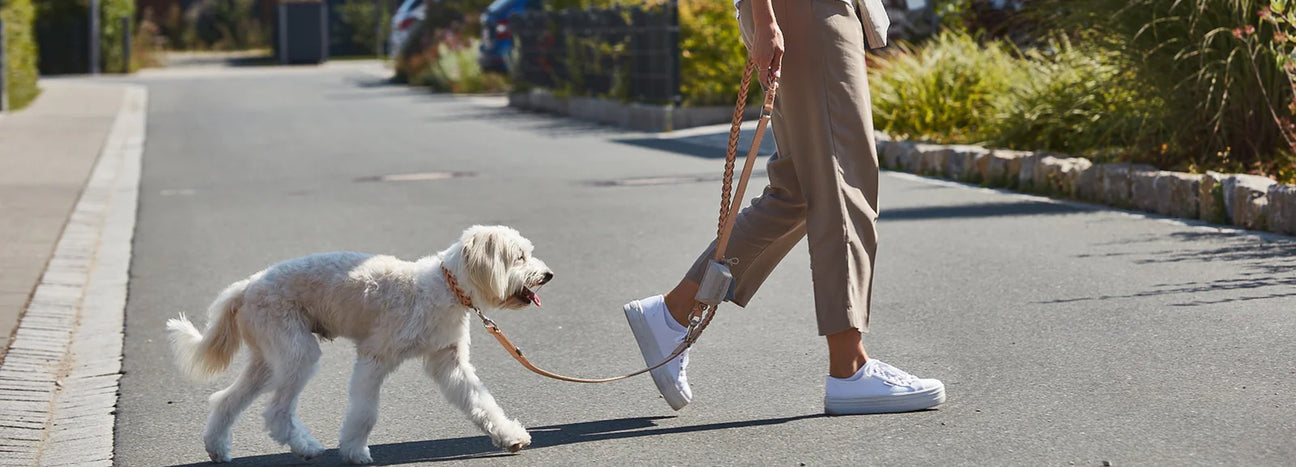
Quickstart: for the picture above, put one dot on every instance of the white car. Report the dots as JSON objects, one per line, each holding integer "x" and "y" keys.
{"x": 411, "y": 12}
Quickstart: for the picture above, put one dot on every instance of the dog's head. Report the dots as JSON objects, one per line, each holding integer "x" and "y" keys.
{"x": 496, "y": 269}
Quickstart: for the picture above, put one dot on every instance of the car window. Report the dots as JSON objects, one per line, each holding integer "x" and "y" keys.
{"x": 498, "y": 5}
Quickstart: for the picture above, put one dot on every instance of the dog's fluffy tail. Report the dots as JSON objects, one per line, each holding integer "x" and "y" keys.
{"x": 202, "y": 355}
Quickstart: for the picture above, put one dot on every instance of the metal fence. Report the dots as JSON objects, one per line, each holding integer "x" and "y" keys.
{"x": 619, "y": 53}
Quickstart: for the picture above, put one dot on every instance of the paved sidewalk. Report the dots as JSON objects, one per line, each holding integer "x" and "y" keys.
{"x": 46, "y": 154}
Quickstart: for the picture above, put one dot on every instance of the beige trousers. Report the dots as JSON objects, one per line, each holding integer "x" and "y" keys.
{"x": 823, "y": 181}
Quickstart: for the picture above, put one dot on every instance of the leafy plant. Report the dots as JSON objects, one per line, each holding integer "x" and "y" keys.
{"x": 20, "y": 52}
{"x": 445, "y": 60}
{"x": 361, "y": 16}
{"x": 1081, "y": 101}
{"x": 712, "y": 55}
{"x": 1217, "y": 65}
{"x": 147, "y": 43}
{"x": 217, "y": 24}
{"x": 948, "y": 90}
{"x": 114, "y": 33}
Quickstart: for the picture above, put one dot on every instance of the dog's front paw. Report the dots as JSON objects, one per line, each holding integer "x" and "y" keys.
{"x": 358, "y": 455}
{"x": 513, "y": 438}
{"x": 219, "y": 457}
{"x": 218, "y": 447}
{"x": 307, "y": 448}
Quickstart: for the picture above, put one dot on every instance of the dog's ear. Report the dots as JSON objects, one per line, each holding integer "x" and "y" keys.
{"x": 484, "y": 264}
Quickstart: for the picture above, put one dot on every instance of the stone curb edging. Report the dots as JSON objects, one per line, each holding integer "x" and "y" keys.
{"x": 59, "y": 380}
{"x": 631, "y": 115}
{"x": 1247, "y": 201}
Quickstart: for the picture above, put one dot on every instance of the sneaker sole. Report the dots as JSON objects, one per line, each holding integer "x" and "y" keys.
{"x": 648, "y": 346}
{"x": 885, "y": 404}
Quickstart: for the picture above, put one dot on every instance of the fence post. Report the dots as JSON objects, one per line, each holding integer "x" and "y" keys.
{"x": 94, "y": 36}
{"x": 380, "y": 7}
{"x": 4, "y": 71}
{"x": 673, "y": 37}
{"x": 126, "y": 44}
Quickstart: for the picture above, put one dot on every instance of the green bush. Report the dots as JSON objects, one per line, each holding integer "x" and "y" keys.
{"x": 146, "y": 46}
{"x": 1081, "y": 101}
{"x": 20, "y": 52}
{"x": 455, "y": 69}
{"x": 1217, "y": 64}
{"x": 948, "y": 90}
{"x": 1063, "y": 98}
{"x": 360, "y": 16}
{"x": 444, "y": 58}
{"x": 228, "y": 25}
{"x": 213, "y": 25}
{"x": 112, "y": 33}
{"x": 712, "y": 55}
{"x": 422, "y": 44}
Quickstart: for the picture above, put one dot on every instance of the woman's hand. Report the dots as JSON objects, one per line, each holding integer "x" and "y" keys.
{"x": 767, "y": 49}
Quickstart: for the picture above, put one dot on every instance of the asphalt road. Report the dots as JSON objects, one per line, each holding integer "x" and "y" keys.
{"x": 1064, "y": 332}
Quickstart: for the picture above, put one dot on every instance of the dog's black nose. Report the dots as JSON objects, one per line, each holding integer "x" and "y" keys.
{"x": 548, "y": 276}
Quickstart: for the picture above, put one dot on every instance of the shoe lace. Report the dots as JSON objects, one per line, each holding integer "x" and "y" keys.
{"x": 892, "y": 375}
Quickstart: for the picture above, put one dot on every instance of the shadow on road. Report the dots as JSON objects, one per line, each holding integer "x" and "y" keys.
{"x": 480, "y": 447}
{"x": 536, "y": 123}
{"x": 1006, "y": 209}
{"x": 710, "y": 145}
{"x": 1265, "y": 263}
{"x": 665, "y": 180}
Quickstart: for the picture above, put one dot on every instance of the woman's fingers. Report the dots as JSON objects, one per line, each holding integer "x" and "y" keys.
{"x": 767, "y": 54}
{"x": 771, "y": 69}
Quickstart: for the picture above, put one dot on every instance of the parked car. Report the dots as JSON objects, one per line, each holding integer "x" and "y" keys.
{"x": 497, "y": 37}
{"x": 911, "y": 20}
{"x": 410, "y": 13}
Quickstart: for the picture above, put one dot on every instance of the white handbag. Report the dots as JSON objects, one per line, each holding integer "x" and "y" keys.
{"x": 876, "y": 22}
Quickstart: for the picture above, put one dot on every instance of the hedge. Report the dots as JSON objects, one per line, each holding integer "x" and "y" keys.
{"x": 712, "y": 54}
{"x": 62, "y": 29}
{"x": 112, "y": 34}
{"x": 20, "y": 52}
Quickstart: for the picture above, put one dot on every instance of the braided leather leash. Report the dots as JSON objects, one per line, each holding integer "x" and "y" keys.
{"x": 701, "y": 314}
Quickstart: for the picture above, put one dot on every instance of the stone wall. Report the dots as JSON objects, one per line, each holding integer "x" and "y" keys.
{"x": 1247, "y": 201}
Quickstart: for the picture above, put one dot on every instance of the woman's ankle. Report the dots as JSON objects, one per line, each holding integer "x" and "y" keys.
{"x": 846, "y": 353}
{"x": 679, "y": 301}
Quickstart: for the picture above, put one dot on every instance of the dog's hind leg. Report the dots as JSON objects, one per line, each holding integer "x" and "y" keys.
{"x": 457, "y": 378}
{"x": 362, "y": 408}
{"x": 227, "y": 404}
{"x": 294, "y": 358}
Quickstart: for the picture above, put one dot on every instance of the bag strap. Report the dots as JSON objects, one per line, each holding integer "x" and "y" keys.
{"x": 701, "y": 314}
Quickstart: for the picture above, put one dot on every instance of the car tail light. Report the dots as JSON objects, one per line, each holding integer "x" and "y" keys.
{"x": 405, "y": 24}
{"x": 502, "y": 30}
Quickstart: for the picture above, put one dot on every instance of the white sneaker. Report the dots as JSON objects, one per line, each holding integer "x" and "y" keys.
{"x": 658, "y": 335}
{"x": 881, "y": 388}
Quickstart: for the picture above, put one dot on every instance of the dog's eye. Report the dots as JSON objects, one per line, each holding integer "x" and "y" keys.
{"x": 521, "y": 258}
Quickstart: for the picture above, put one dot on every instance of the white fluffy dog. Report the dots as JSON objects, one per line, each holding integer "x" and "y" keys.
{"x": 394, "y": 310}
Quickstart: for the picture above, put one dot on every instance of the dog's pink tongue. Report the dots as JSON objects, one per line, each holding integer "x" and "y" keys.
{"x": 535, "y": 299}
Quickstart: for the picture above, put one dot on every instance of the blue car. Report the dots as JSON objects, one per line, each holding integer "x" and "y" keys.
{"x": 497, "y": 37}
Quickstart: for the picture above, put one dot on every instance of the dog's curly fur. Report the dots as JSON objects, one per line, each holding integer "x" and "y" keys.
{"x": 393, "y": 310}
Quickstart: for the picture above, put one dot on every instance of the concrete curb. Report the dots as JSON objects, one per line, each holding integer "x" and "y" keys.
{"x": 1247, "y": 201}
{"x": 58, "y": 383}
{"x": 631, "y": 115}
